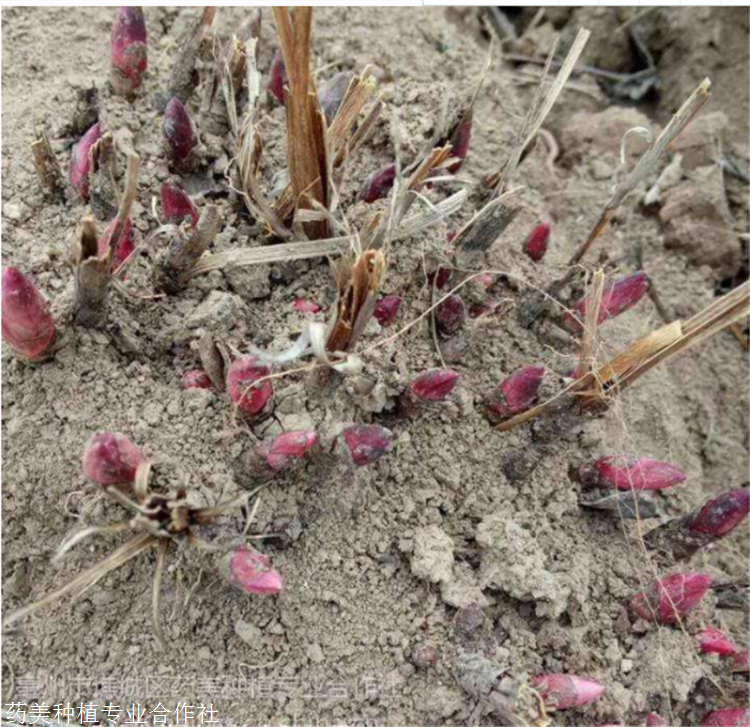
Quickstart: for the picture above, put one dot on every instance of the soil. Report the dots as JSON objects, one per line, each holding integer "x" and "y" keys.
{"x": 462, "y": 555}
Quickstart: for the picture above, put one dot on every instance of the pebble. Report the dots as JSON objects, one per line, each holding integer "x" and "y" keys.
{"x": 315, "y": 653}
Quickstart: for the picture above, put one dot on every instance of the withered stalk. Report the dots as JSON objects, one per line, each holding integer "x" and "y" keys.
{"x": 219, "y": 108}
{"x": 103, "y": 192}
{"x": 343, "y": 137}
{"x": 175, "y": 265}
{"x": 595, "y": 389}
{"x": 358, "y": 285}
{"x": 93, "y": 274}
{"x": 307, "y": 151}
{"x": 591, "y": 325}
{"x": 184, "y": 77}
{"x": 47, "y": 166}
{"x": 645, "y": 165}
{"x": 92, "y": 271}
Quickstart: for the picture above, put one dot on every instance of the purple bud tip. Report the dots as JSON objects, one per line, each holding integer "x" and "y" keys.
{"x": 125, "y": 245}
{"x": 724, "y": 513}
{"x": 564, "y": 691}
{"x": 366, "y": 443}
{"x": 331, "y": 94}
{"x": 278, "y": 78}
{"x": 80, "y": 161}
{"x": 129, "y": 50}
{"x": 460, "y": 141}
{"x": 441, "y": 277}
{"x": 714, "y": 641}
{"x": 386, "y": 309}
{"x": 252, "y": 400}
{"x": 450, "y": 315}
{"x": 178, "y": 134}
{"x": 434, "y": 385}
{"x": 671, "y": 598}
{"x": 536, "y": 244}
{"x": 196, "y": 379}
{"x": 517, "y": 393}
{"x": 288, "y": 447}
{"x": 305, "y": 305}
{"x": 655, "y": 720}
{"x": 736, "y": 717}
{"x": 617, "y": 297}
{"x": 741, "y": 661}
{"x": 176, "y": 204}
{"x": 251, "y": 572}
{"x": 631, "y": 473}
{"x": 111, "y": 459}
{"x": 27, "y": 326}
{"x": 378, "y": 184}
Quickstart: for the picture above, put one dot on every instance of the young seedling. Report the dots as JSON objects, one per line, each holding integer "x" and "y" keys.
{"x": 179, "y": 137}
{"x": 176, "y": 204}
{"x": 680, "y": 538}
{"x": 378, "y": 184}
{"x": 251, "y": 572}
{"x": 196, "y": 379}
{"x": 305, "y": 305}
{"x": 386, "y": 309}
{"x": 331, "y": 94}
{"x": 174, "y": 266}
{"x": 365, "y": 443}
{"x": 714, "y": 641}
{"x": 159, "y": 520}
{"x": 250, "y": 399}
{"x": 125, "y": 246}
{"x": 110, "y": 458}
{"x": 460, "y": 139}
{"x": 435, "y": 385}
{"x": 80, "y": 161}
{"x": 617, "y": 297}
{"x": 27, "y": 326}
{"x": 129, "y": 50}
{"x": 536, "y": 243}
{"x": 450, "y": 315}
{"x": 668, "y": 600}
{"x": 625, "y": 472}
{"x": 565, "y": 691}
{"x": 279, "y": 454}
{"x": 741, "y": 662}
{"x": 278, "y": 78}
{"x": 516, "y": 394}
{"x": 734, "y": 717}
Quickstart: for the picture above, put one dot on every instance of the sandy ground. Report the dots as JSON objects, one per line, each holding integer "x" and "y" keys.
{"x": 462, "y": 542}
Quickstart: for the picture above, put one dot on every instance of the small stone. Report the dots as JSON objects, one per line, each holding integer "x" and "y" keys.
{"x": 315, "y": 653}
{"x": 626, "y": 665}
{"x": 248, "y": 632}
{"x": 218, "y": 310}
{"x": 432, "y": 558}
{"x": 13, "y": 211}
{"x": 424, "y": 656}
{"x": 469, "y": 620}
